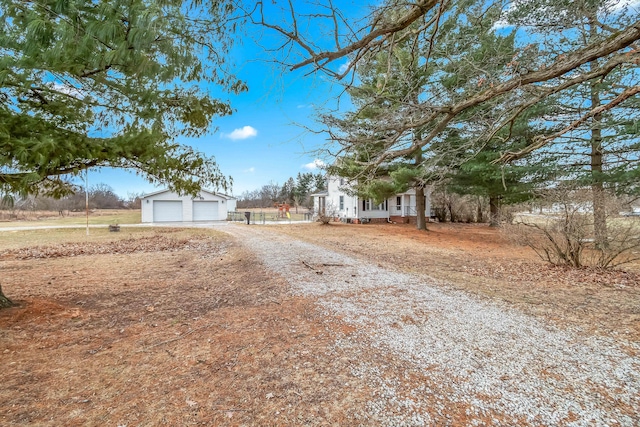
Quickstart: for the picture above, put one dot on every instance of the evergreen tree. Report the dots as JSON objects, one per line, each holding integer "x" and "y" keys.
{"x": 530, "y": 76}
{"x": 399, "y": 87}
{"x": 109, "y": 83}
{"x": 481, "y": 175}
{"x": 597, "y": 122}
{"x": 287, "y": 190}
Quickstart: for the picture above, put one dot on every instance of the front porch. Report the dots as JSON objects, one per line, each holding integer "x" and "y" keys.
{"x": 404, "y": 210}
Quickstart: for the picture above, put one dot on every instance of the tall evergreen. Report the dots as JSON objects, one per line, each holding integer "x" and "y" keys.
{"x": 406, "y": 84}
{"x": 109, "y": 83}
{"x": 599, "y": 139}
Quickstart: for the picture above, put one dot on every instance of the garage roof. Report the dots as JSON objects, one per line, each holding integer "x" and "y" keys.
{"x": 155, "y": 193}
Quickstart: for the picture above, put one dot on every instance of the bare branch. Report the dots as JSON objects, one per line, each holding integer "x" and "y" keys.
{"x": 561, "y": 67}
{"x": 546, "y": 91}
{"x": 541, "y": 141}
{"x": 419, "y": 9}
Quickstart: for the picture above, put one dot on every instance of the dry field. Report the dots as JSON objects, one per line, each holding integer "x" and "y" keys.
{"x": 187, "y": 327}
{"x": 96, "y": 216}
{"x": 166, "y": 327}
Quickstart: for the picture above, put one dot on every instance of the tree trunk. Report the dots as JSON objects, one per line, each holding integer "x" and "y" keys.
{"x": 421, "y": 220}
{"x": 4, "y": 301}
{"x": 479, "y": 217}
{"x": 599, "y": 203}
{"x": 597, "y": 186}
{"x": 494, "y": 211}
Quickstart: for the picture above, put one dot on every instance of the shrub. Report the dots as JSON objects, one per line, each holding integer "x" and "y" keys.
{"x": 565, "y": 235}
{"x": 326, "y": 215}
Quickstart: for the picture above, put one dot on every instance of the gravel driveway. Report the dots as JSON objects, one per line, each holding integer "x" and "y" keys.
{"x": 453, "y": 356}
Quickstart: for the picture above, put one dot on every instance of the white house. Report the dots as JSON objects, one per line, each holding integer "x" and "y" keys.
{"x": 399, "y": 208}
{"x": 168, "y": 206}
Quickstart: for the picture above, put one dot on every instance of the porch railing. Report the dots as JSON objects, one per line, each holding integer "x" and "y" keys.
{"x": 411, "y": 211}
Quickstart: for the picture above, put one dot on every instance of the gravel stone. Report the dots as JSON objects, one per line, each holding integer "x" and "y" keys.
{"x": 499, "y": 365}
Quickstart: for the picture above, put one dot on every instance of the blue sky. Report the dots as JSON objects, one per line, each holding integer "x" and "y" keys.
{"x": 264, "y": 140}
{"x": 261, "y": 142}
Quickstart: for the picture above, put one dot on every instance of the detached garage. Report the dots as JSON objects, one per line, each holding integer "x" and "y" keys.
{"x": 167, "y": 206}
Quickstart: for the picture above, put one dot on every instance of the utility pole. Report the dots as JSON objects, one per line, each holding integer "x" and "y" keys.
{"x": 86, "y": 196}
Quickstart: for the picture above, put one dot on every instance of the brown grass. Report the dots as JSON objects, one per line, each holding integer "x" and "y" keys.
{"x": 197, "y": 335}
{"x": 186, "y": 328}
{"x": 96, "y": 216}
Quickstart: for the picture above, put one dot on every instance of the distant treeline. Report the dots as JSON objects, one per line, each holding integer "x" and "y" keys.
{"x": 297, "y": 192}
{"x": 101, "y": 196}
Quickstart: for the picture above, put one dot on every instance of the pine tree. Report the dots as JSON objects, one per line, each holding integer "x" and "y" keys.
{"x": 601, "y": 146}
{"x": 110, "y": 83}
{"x": 405, "y": 84}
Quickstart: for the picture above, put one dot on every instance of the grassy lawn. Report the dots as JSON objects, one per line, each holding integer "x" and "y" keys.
{"x": 96, "y": 217}
{"x": 26, "y": 238}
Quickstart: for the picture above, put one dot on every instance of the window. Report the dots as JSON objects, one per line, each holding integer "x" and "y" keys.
{"x": 341, "y": 181}
{"x": 398, "y": 203}
{"x": 382, "y": 206}
{"x": 341, "y": 202}
{"x": 367, "y": 205}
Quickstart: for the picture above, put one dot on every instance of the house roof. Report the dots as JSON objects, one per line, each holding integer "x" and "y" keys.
{"x": 166, "y": 190}
{"x": 320, "y": 193}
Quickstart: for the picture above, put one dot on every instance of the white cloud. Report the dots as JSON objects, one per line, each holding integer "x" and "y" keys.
{"x": 241, "y": 133}
{"x": 344, "y": 67}
{"x": 316, "y": 164}
{"x": 250, "y": 170}
{"x": 500, "y": 24}
{"x": 67, "y": 89}
{"x": 617, "y": 5}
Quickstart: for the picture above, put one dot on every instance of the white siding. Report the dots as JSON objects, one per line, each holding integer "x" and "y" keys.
{"x": 231, "y": 207}
{"x": 349, "y": 203}
{"x": 352, "y": 207}
{"x": 220, "y": 204}
{"x": 409, "y": 202}
{"x": 374, "y": 211}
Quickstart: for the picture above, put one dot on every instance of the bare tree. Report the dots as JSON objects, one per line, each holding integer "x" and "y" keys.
{"x": 102, "y": 196}
{"x": 567, "y": 234}
{"x": 133, "y": 200}
{"x": 512, "y": 89}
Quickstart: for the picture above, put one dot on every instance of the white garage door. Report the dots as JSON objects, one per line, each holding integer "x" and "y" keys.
{"x": 205, "y": 211}
{"x": 167, "y": 210}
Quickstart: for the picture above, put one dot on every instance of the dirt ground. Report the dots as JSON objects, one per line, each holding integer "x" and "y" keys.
{"x": 185, "y": 327}
{"x": 182, "y": 328}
